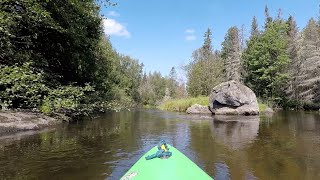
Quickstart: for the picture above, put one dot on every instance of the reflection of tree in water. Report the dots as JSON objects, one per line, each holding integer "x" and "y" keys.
{"x": 79, "y": 149}
{"x": 285, "y": 146}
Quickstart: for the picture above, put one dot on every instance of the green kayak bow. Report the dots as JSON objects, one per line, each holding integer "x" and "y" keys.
{"x": 177, "y": 166}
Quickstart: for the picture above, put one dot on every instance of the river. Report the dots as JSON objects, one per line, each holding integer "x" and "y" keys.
{"x": 284, "y": 146}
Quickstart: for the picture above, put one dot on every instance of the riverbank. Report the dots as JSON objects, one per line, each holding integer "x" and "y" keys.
{"x": 181, "y": 105}
{"x": 15, "y": 121}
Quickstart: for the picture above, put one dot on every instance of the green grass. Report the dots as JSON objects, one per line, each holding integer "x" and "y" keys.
{"x": 181, "y": 105}
{"x": 262, "y": 107}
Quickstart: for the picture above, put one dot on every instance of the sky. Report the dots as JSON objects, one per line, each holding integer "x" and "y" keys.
{"x": 163, "y": 33}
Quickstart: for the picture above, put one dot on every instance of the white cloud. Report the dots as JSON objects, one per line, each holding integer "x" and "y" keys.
{"x": 112, "y": 27}
{"x": 113, "y": 13}
{"x": 189, "y": 31}
{"x": 190, "y": 38}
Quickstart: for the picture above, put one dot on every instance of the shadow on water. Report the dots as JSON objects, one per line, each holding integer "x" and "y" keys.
{"x": 284, "y": 146}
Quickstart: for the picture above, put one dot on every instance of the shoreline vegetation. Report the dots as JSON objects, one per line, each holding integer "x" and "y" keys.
{"x": 181, "y": 105}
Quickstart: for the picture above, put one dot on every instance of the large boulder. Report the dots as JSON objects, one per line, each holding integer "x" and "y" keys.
{"x": 198, "y": 109}
{"x": 233, "y": 98}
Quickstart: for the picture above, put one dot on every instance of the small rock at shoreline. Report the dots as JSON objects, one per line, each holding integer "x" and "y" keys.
{"x": 268, "y": 111}
{"x": 198, "y": 109}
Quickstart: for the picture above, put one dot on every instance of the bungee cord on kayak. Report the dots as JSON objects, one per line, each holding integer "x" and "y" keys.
{"x": 163, "y": 151}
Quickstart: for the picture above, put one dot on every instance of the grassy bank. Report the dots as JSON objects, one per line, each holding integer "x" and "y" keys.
{"x": 181, "y": 105}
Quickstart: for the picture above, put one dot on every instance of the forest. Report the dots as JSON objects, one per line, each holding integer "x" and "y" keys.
{"x": 278, "y": 62}
{"x": 54, "y": 57}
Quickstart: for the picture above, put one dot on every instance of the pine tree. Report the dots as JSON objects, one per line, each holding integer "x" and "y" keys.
{"x": 293, "y": 48}
{"x": 267, "y": 16}
{"x": 265, "y": 60}
{"x": 254, "y": 27}
{"x": 172, "y": 82}
{"x": 231, "y": 54}
{"x": 206, "y": 70}
{"x": 309, "y": 63}
{"x": 207, "y": 46}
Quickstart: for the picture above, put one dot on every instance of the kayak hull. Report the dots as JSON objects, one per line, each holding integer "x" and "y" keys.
{"x": 178, "y": 166}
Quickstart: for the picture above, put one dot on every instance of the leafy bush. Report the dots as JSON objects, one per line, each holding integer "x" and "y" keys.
{"x": 71, "y": 100}
{"x": 21, "y": 87}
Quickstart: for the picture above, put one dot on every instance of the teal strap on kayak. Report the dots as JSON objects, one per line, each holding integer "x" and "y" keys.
{"x": 159, "y": 154}
{"x": 163, "y": 151}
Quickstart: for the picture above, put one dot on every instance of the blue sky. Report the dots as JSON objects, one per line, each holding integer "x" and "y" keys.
{"x": 163, "y": 34}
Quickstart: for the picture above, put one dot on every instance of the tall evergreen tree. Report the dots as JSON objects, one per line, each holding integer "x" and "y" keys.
{"x": 205, "y": 70}
{"x": 172, "y": 82}
{"x": 207, "y": 45}
{"x": 254, "y": 27}
{"x": 309, "y": 62}
{"x": 268, "y": 19}
{"x": 266, "y": 59}
{"x": 231, "y": 54}
{"x": 293, "y": 48}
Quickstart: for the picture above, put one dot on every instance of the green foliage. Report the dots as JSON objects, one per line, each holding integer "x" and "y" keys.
{"x": 265, "y": 60}
{"x": 21, "y": 87}
{"x": 71, "y": 100}
{"x": 172, "y": 83}
{"x": 292, "y": 104}
{"x": 58, "y": 36}
{"x": 181, "y": 105}
{"x": 129, "y": 72}
{"x": 65, "y": 43}
{"x": 254, "y": 27}
{"x": 205, "y": 71}
{"x": 153, "y": 89}
{"x": 230, "y": 53}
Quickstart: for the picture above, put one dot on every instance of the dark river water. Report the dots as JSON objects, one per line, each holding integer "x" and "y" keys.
{"x": 284, "y": 146}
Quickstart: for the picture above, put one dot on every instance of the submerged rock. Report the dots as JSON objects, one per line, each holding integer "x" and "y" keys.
{"x": 233, "y": 98}
{"x": 269, "y": 111}
{"x": 22, "y": 121}
{"x": 198, "y": 109}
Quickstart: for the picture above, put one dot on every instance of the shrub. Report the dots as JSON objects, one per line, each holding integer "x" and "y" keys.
{"x": 70, "y": 100}
{"x": 21, "y": 87}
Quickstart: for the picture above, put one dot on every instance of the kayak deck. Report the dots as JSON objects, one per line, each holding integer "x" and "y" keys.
{"x": 178, "y": 166}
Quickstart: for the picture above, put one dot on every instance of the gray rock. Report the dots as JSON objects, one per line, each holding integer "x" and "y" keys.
{"x": 233, "y": 98}
{"x": 269, "y": 111}
{"x": 22, "y": 121}
{"x": 198, "y": 109}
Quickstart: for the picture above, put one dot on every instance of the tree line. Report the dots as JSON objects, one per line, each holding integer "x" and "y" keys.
{"x": 278, "y": 62}
{"x": 54, "y": 57}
